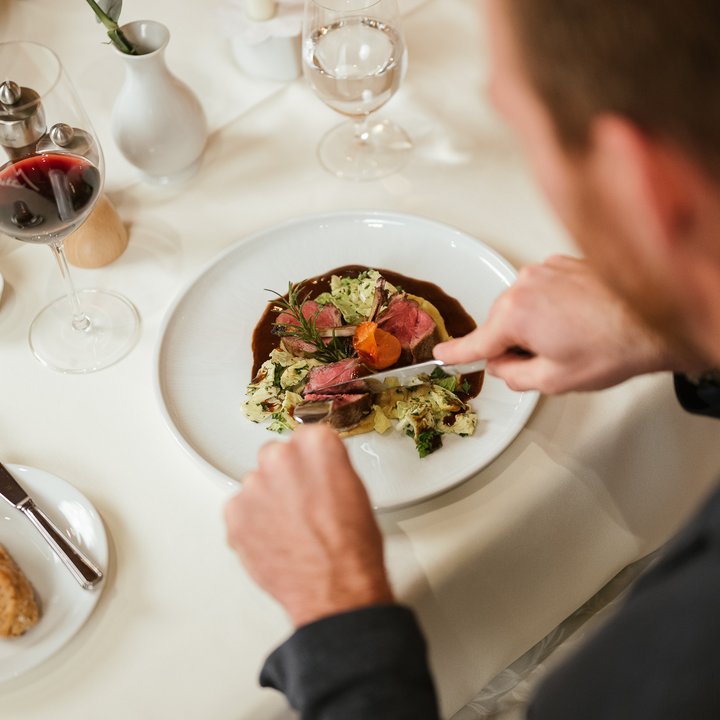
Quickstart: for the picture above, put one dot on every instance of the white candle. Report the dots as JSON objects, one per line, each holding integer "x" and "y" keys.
{"x": 260, "y": 9}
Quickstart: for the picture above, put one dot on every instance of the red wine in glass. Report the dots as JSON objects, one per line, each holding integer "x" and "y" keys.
{"x": 45, "y": 197}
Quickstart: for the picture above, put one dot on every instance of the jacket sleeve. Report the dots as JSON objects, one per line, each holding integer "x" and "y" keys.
{"x": 367, "y": 663}
{"x": 701, "y": 399}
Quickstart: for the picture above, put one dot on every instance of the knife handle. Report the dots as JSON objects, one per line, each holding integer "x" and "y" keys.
{"x": 82, "y": 569}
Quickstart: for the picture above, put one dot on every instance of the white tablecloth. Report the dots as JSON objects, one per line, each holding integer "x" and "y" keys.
{"x": 592, "y": 483}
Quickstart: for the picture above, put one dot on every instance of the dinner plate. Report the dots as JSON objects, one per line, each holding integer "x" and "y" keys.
{"x": 204, "y": 357}
{"x": 64, "y": 605}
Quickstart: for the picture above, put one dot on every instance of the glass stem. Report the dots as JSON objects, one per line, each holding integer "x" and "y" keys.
{"x": 80, "y": 320}
{"x": 362, "y": 129}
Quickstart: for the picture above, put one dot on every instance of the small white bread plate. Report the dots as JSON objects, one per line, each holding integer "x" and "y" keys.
{"x": 204, "y": 357}
{"x": 64, "y": 605}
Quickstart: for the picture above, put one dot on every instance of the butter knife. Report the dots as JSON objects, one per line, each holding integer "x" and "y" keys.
{"x": 81, "y": 568}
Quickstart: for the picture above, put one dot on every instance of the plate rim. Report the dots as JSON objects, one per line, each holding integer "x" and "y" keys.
{"x": 101, "y": 555}
{"x": 528, "y": 400}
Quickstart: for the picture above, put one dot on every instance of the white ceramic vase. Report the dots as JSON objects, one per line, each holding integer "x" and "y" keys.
{"x": 157, "y": 121}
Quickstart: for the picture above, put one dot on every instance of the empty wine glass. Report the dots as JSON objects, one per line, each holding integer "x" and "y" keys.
{"x": 354, "y": 58}
{"x": 48, "y": 186}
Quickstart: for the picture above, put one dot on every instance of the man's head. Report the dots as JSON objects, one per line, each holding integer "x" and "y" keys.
{"x": 655, "y": 62}
{"x": 618, "y": 105}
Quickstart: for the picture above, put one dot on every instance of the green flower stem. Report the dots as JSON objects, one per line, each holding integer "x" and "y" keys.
{"x": 116, "y": 35}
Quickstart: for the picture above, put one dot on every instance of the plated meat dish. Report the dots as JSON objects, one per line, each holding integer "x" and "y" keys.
{"x": 351, "y": 322}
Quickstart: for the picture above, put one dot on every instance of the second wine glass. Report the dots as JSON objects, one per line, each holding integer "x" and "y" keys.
{"x": 354, "y": 57}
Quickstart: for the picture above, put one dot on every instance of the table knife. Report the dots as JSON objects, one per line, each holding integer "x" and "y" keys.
{"x": 403, "y": 376}
{"x": 312, "y": 412}
{"x": 81, "y": 568}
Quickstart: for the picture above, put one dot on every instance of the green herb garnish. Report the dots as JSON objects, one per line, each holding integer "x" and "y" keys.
{"x": 440, "y": 377}
{"x": 450, "y": 382}
{"x": 279, "y": 423}
{"x": 427, "y": 442}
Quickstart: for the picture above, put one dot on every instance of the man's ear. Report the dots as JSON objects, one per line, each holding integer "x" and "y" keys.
{"x": 653, "y": 183}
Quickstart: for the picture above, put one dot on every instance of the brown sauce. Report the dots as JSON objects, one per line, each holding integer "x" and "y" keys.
{"x": 457, "y": 320}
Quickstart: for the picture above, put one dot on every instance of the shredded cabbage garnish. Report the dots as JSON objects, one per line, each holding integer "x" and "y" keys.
{"x": 276, "y": 390}
{"x": 353, "y": 297}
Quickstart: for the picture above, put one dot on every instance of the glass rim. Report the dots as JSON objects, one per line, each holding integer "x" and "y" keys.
{"x": 360, "y": 5}
{"x": 54, "y": 80}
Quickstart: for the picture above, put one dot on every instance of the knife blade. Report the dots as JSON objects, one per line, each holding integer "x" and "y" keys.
{"x": 79, "y": 565}
{"x": 316, "y": 411}
{"x": 402, "y": 377}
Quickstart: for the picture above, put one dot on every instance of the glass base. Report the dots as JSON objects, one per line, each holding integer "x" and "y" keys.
{"x": 113, "y": 331}
{"x": 382, "y": 150}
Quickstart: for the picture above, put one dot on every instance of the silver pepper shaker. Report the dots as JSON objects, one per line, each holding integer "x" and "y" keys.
{"x": 64, "y": 138}
{"x": 22, "y": 119}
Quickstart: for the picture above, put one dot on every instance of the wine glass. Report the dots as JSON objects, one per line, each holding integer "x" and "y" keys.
{"x": 354, "y": 58}
{"x": 49, "y": 184}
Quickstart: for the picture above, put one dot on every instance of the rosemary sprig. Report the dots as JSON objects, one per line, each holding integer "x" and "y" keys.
{"x": 306, "y": 328}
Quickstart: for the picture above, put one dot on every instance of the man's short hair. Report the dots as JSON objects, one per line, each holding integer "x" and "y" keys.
{"x": 655, "y": 62}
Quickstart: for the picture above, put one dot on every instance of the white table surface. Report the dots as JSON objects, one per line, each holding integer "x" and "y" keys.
{"x": 592, "y": 483}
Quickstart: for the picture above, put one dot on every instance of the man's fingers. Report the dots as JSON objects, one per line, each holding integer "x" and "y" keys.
{"x": 565, "y": 262}
{"x": 324, "y": 453}
{"x": 487, "y": 341}
{"x": 318, "y": 441}
{"x": 527, "y": 373}
{"x": 275, "y": 457}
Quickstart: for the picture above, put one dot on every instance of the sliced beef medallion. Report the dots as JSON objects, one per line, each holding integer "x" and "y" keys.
{"x": 351, "y": 404}
{"x": 322, "y": 376}
{"x": 412, "y": 326}
{"x": 327, "y": 317}
{"x": 347, "y": 410}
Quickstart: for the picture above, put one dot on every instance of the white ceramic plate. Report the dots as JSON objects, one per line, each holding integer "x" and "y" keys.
{"x": 204, "y": 357}
{"x": 64, "y": 605}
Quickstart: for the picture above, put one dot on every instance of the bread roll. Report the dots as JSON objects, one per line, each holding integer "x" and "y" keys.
{"x": 18, "y": 609}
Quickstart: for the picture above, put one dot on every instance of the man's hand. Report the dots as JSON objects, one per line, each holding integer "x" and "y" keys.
{"x": 303, "y": 526}
{"x": 578, "y": 334}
